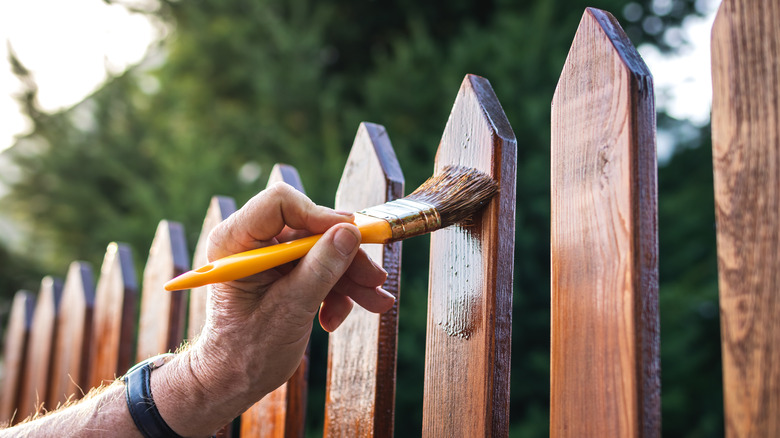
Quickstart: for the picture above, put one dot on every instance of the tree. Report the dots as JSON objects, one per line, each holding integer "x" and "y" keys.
{"x": 243, "y": 85}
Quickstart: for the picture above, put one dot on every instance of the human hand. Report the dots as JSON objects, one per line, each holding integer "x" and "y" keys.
{"x": 257, "y": 328}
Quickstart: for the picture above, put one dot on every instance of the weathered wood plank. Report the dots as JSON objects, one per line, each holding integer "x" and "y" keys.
{"x": 219, "y": 209}
{"x": 746, "y": 160}
{"x": 468, "y": 342}
{"x": 74, "y": 333}
{"x": 282, "y": 413}
{"x": 604, "y": 245}
{"x": 161, "y": 324}
{"x": 360, "y": 393}
{"x": 40, "y": 348}
{"x": 15, "y": 355}
{"x": 114, "y": 318}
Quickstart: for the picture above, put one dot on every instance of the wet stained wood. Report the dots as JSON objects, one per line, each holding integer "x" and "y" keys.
{"x": 467, "y": 362}
{"x": 161, "y": 323}
{"x": 15, "y": 354}
{"x": 360, "y": 392}
{"x": 746, "y": 161}
{"x": 74, "y": 333}
{"x": 281, "y": 413}
{"x": 219, "y": 209}
{"x": 114, "y": 317}
{"x": 604, "y": 244}
{"x": 40, "y": 348}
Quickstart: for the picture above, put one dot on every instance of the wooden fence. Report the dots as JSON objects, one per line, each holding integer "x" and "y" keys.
{"x": 605, "y": 370}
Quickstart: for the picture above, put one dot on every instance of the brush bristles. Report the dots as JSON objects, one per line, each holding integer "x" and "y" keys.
{"x": 457, "y": 193}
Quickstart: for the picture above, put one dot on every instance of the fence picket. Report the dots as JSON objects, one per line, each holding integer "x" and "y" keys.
{"x": 15, "y": 354}
{"x": 116, "y": 301}
{"x": 604, "y": 245}
{"x": 746, "y": 161}
{"x": 73, "y": 335}
{"x": 466, "y": 391}
{"x": 161, "y": 325}
{"x": 282, "y": 413}
{"x": 40, "y": 348}
{"x": 360, "y": 393}
{"x": 219, "y": 209}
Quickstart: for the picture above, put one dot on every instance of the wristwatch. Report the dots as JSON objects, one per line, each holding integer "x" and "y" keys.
{"x": 138, "y": 393}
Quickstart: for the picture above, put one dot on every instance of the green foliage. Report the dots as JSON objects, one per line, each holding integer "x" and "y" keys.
{"x": 242, "y": 85}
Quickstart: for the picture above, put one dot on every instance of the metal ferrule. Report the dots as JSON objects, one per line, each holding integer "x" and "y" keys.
{"x": 407, "y": 218}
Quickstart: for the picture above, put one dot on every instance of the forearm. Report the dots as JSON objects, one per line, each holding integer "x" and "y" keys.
{"x": 103, "y": 412}
{"x": 192, "y": 399}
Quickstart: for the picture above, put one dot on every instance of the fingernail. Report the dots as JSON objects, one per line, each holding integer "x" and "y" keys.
{"x": 345, "y": 241}
{"x": 383, "y": 293}
{"x": 344, "y": 213}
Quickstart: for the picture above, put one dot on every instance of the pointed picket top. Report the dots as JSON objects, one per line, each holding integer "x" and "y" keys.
{"x": 15, "y": 354}
{"x": 287, "y": 174}
{"x": 281, "y": 413}
{"x": 219, "y": 209}
{"x": 600, "y": 50}
{"x": 114, "y": 323}
{"x": 162, "y": 319}
{"x": 470, "y": 286}
{"x": 360, "y": 393}
{"x": 40, "y": 347}
{"x": 604, "y": 248}
{"x": 746, "y": 157}
{"x": 74, "y": 333}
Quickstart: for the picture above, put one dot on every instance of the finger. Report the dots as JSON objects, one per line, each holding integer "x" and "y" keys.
{"x": 374, "y": 299}
{"x": 334, "y": 310}
{"x": 320, "y": 270}
{"x": 266, "y": 215}
{"x": 365, "y": 272}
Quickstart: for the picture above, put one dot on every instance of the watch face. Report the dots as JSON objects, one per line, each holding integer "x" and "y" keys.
{"x": 154, "y": 362}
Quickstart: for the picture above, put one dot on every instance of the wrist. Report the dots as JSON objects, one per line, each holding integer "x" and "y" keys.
{"x": 193, "y": 398}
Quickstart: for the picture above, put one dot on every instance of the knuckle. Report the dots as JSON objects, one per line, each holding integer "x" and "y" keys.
{"x": 279, "y": 189}
{"x": 325, "y": 271}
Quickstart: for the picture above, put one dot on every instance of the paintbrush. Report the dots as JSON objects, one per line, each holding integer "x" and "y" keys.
{"x": 450, "y": 197}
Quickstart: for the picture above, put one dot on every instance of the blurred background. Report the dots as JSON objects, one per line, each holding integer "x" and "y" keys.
{"x": 116, "y": 114}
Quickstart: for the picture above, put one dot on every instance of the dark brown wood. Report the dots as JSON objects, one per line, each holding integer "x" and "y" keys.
{"x": 604, "y": 245}
{"x": 219, "y": 209}
{"x": 360, "y": 394}
{"x": 161, "y": 323}
{"x": 746, "y": 160}
{"x": 15, "y": 355}
{"x": 282, "y": 413}
{"x": 74, "y": 333}
{"x": 468, "y": 344}
{"x": 114, "y": 317}
{"x": 40, "y": 348}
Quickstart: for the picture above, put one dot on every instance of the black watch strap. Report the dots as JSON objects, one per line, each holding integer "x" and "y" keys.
{"x": 138, "y": 393}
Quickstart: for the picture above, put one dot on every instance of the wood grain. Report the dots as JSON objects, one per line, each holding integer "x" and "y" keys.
{"x": 360, "y": 392}
{"x": 114, "y": 317}
{"x": 219, "y": 209}
{"x": 40, "y": 348}
{"x": 282, "y": 413}
{"x": 468, "y": 343}
{"x": 15, "y": 355}
{"x": 161, "y": 324}
{"x": 74, "y": 333}
{"x": 604, "y": 245}
{"x": 746, "y": 161}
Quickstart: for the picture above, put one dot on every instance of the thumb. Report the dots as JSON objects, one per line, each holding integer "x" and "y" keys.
{"x": 323, "y": 266}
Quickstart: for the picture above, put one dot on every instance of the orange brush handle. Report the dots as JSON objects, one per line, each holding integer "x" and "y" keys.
{"x": 258, "y": 260}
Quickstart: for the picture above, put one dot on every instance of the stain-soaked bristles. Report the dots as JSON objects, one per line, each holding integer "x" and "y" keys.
{"x": 457, "y": 193}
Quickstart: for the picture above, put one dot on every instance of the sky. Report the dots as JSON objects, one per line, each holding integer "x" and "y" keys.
{"x": 72, "y": 46}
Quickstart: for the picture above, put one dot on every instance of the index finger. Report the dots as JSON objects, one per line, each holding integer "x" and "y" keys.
{"x": 264, "y": 216}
